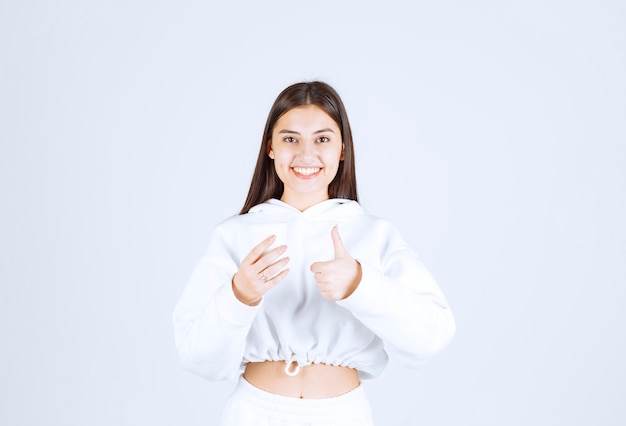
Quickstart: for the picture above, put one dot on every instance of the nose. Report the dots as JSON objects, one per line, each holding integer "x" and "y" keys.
{"x": 307, "y": 151}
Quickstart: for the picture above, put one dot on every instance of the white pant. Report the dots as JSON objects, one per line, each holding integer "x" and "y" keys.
{"x": 251, "y": 406}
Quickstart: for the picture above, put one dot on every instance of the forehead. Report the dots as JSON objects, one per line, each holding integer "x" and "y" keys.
{"x": 305, "y": 118}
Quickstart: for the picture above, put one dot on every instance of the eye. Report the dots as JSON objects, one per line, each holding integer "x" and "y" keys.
{"x": 323, "y": 139}
{"x": 289, "y": 139}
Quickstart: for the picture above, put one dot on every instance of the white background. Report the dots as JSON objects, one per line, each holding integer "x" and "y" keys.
{"x": 491, "y": 133}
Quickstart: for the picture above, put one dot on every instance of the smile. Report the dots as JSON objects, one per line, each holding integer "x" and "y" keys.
{"x": 306, "y": 171}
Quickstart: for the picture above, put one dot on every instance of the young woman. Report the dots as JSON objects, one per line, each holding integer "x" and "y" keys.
{"x": 303, "y": 291}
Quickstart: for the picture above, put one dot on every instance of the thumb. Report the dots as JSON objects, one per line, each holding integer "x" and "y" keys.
{"x": 340, "y": 250}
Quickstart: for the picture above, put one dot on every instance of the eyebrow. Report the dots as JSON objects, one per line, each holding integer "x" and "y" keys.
{"x": 327, "y": 129}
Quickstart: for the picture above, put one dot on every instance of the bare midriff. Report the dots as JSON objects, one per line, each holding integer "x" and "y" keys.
{"x": 312, "y": 381}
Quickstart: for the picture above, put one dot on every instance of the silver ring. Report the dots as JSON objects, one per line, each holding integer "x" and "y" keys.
{"x": 263, "y": 277}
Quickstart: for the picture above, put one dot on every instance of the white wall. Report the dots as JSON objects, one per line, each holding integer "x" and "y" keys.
{"x": 491, "y": 133}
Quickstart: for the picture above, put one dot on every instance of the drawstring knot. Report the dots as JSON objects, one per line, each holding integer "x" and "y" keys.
{"x": 293, "y": 366}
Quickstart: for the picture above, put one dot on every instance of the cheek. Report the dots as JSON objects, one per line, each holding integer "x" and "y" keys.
{"x": 282, "y": 161}
{"x": 334, "y": 158}
{"x": 332, "y": 167}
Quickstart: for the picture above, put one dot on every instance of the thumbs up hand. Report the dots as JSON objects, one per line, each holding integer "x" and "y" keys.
{"x": 338, "y": 278}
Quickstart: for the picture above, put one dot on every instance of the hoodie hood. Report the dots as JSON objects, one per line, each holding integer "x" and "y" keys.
{"x": 333, "y": 208}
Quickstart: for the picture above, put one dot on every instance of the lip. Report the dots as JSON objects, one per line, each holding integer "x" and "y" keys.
{"x": 306, "y": 172}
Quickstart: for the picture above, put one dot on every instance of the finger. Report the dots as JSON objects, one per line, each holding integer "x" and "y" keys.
{"x": 340, "y": 250}
{"x": 325, "y": 292}
{"x": 258, "y": 250}
{"x": 268, "y": 258}
{"x": 277, "y": 278}
{"x": 275, "y": 267}
{"x": 318, "y": 267}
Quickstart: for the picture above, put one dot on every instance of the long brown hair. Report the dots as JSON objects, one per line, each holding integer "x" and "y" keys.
{"x": 265, "y": 182}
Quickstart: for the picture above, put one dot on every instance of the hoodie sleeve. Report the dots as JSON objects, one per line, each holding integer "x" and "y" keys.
{"x": 401, "y": 302}
{"x": 210, "y": 323}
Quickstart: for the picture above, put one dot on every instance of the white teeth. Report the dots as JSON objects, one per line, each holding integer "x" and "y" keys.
{"x": 306, "y": 170}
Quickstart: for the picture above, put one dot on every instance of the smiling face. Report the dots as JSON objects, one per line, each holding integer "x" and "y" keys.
{"x": 306, "y": 147}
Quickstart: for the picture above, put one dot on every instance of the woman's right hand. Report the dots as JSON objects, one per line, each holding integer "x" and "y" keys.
{"x": 259, "y": 272}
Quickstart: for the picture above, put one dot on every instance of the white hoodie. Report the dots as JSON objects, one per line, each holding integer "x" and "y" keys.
{"x": 397, "y": 304}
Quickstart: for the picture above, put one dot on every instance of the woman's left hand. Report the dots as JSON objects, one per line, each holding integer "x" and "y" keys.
{"x": 338, "y": 278}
